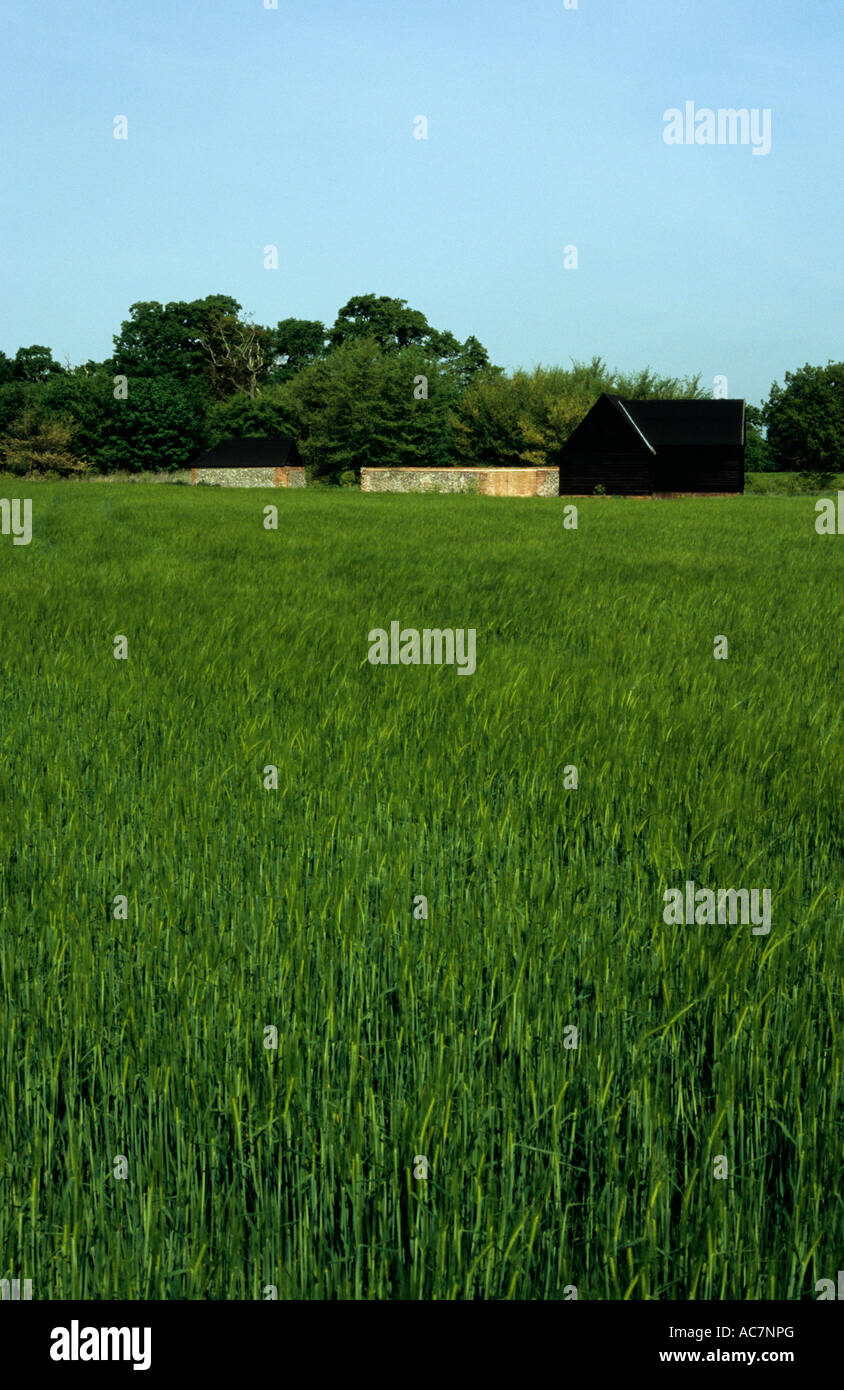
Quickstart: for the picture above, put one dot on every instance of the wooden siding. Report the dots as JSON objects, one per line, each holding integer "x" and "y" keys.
{"x": 710, "y": 469}
{"x": 615, "y": 470}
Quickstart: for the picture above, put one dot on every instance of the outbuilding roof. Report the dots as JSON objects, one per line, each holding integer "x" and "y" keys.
{"x": 278, "y": 452}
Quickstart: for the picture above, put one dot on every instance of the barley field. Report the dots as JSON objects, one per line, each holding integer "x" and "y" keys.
{"x": 572, "y": 1073}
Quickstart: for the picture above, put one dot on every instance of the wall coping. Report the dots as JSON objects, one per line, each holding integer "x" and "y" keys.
{"x": 460, "y": 468}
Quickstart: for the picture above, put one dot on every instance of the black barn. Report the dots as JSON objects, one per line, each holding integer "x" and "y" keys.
{"x": 655, "y": 447}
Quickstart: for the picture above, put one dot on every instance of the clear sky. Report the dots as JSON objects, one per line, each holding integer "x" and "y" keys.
{"x": 294, "y": 126}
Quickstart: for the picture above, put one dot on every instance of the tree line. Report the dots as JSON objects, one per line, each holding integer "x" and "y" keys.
{"x": 379, "y": 388}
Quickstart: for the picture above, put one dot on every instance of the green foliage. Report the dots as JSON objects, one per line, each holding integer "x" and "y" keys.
{"x": 790, "y": 484}
{"x": 14, "y": 397}
{"x": 646, "y": 385}
{"x": 356, "y": 409}
{"x": 166, "y": 339}
{"x": 161, "y": 425}
{"x": 89, "y": 401}
{"x": 390, "y": 322}
{"x": 207, "y": 342}
{"x": 524, "y": 418}
{"x": 520, "y": 419}
{"x": 163, "y": 428}
{"x": 805, "y": 419}
{"x": 40, "y": 443}
{"x": 273, "y": 412}
{"x": 34, "y": 363}
{"x": 396, "y": 1037}
{"x": 299, "y": 342}
{"x": 468, "y": 361}
{"x": 343, "y": 393}
{"x": 809, "y": 482}
{"x": 393, "y": 326}
{"x": 237, "y": 355}
{"x": 757, "y": 454}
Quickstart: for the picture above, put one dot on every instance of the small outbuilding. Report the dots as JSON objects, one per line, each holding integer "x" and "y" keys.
{"x": 251, "y": 463}
{"x": 656, "y": 448}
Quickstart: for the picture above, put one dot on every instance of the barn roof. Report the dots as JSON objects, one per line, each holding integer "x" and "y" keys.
{"x": 688, "y": 422}
{"x": 623, "y": 409}
{"x": 279, "y": 452}
{"x": 654, "y": 425}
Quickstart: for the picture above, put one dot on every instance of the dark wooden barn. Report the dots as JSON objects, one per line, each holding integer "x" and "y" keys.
{"x": 656, "y": 448}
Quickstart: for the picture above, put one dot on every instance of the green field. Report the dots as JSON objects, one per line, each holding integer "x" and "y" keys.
{"x": 549, "y": 1167}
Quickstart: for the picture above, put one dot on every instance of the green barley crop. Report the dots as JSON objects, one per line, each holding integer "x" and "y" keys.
{"x": 549, "y": 1166}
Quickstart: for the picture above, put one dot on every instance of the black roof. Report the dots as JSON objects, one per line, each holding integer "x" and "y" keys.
{"x": 687, "y": 422}
{"x": 280, "y": 452}
{"x": 664, "y": 424}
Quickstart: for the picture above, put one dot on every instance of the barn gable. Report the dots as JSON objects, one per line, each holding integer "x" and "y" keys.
{"x": 607, "y": 448}
{"x": 656, "y": 447}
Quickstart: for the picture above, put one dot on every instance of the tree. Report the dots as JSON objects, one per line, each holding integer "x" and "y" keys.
{"x": 14, "y": 396}
{"x": 88, "y": 400}
{"x": 646, "y": 385}
{"x": 87, "y": 368}
{"x": 393, "y": 325}
{"x": 298, "y": 342}
{"x": 805, "y": 420}
{"x": 517, "y": 420}
{"x": 160, "y": 425}
{"x": 365, "y": 406}
{"x": 166, "y": 339}
{"x": 34, "y": 363}
{"x": 237, "y": 355}
{"x": 470, "y": 359}
{"x": 7, "y": 369}
{"x": 388, "y": 321}
{"x": 264, "y": 416}
{"x": 757, "y": 454}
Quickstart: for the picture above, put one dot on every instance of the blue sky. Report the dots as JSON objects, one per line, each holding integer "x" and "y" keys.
{"x": 294, "y": 127}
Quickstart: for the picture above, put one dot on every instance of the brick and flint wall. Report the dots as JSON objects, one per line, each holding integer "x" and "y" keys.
{"x": 489, "y": 482}
{"x": 250, "y": 477}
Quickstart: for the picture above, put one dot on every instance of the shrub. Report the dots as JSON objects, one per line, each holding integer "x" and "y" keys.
{"x": 38, "y": 444}
{"x": 160, "y": 425}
